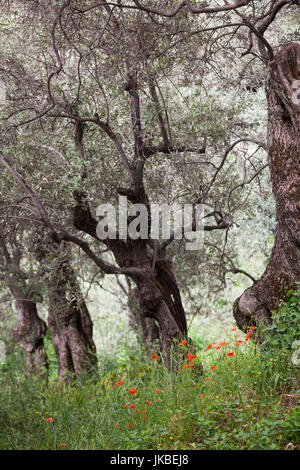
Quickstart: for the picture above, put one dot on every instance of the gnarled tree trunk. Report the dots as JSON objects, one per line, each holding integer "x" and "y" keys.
{"x": 258, "y": 302}
{"x": 157, "y": 302}
{"x": 157, "y": 290}
{"x": 69, "y": 320}
{"x": 145, "y": 328}
{"x": 30, "y": 331}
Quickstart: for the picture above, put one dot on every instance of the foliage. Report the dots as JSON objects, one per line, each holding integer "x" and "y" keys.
{"x": 285, "y": 328}
{"x": 284, "y": 334}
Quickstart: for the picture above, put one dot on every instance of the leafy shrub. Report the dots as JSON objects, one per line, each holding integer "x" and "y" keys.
{"x": 285, "y": 329}
{"x": 282, "y": 338}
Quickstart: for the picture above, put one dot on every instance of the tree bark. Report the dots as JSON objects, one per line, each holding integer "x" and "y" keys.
{"x": 158, "y": 292}
{"x": 30, "y": 332}
{"x": 69, "y": 320}
{"x": 145, "y": 328}
{"x": 259, "y": 301}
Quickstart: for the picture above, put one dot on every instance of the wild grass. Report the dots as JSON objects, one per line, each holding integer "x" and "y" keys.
{"x": 249, "y": 400}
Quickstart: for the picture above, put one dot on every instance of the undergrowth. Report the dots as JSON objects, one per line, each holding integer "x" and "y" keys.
{"x": 246, "y": 398}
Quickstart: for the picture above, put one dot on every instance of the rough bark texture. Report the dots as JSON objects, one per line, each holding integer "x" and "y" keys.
{"x": 166, "y": 281}
{"x": 69, "y": 320}
{"x": 30, "y": 332}
{"x": 160, "y": 300}
{"x": 259, "y": 301}
{"x": 145, "y": 328}
{"x": 144, "y": 318}
{"x": 158, "y": 292}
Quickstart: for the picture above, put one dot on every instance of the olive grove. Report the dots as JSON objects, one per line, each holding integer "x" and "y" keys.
{"x": 158, "y": 102}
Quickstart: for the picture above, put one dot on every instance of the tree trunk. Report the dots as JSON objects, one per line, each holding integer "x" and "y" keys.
{"x": 69, "y": 320}
{"x": 158, "y": 294}
{"x": 155, "y": 306}
{"x": 157, "y": 291}
{"x": 166, "y": 281}
{"x": 30, "y": 332}
{"x": 258, "y": 302}
{"x": 145, "y": 328}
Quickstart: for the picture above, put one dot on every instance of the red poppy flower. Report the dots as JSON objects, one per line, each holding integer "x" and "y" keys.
{"x": 207, "y": 379}
{"x": 157, "y": 390}
{"x": 49, "y": 420}
{"x": 202, "y": 395}
{"x": 248, "y": 335}
{"x": 233, "y": 329}
{"x": 132, "y": 390}
{"x": 213, "y": 367}
{"x": 187, "y": 366}
{"x": 154, "y": 356}
{"x": 132, "y": 405}
{"x": 130, "y": 425}
{"x": 218, "y": 347}
{"x": 218, "y": 383}
{"x": 251, "y": 328}
{"x": 63, "y": 444}
{"x": 116, "y": 425}
{"x": 145, "y": 417}
{"x": 209, "y": 346}
{"x": 182, "y": 343}
{"x": 239, "y": 341}
{"x": 190, "y": 357}
{"x": 230, "y": 354}
{"x": 124, "y": 406}
{"x": 119, "y": 383}
{"x": 148, "y": 403}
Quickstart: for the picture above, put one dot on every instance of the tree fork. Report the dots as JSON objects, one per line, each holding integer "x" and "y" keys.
{"x": 157, "y": 291}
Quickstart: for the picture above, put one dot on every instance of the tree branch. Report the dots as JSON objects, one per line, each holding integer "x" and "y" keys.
{"x": 191, "y": 8}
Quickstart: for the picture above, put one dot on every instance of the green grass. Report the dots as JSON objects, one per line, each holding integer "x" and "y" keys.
{"x": 249, "y": 402}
